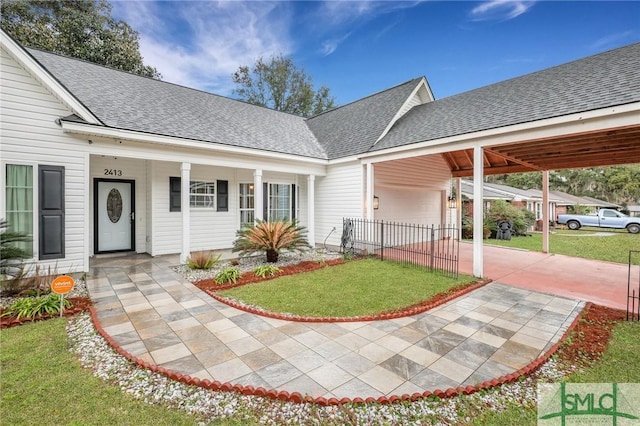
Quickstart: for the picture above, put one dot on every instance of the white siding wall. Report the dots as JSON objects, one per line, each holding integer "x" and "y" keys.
{"x": 410, "y": 190}
{"x": 338, "y": 195}
{"x": 131, "y": 169}
{"x": 29, "y": 135}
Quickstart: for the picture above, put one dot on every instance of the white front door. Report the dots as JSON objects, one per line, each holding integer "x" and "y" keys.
{"x": 114, "y": 215}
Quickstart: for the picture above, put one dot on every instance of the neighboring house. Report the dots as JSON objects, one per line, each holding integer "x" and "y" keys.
{"x": 531, "y": 199}
{"x": 634, "y": 210}
{"x": 96, "y": 160}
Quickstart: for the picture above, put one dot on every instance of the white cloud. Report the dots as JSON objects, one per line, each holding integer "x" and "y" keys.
{"x": 329, "y": 46}
{"x": 200, "y": 44}
{"x": 500, "y": 10}
{"x": 612, "y": 40}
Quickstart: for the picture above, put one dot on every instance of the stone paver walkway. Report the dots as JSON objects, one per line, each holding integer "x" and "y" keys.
{"x": 162, "y": 319}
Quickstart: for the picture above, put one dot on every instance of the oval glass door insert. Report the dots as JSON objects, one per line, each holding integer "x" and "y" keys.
{"x": 114, "y": 205}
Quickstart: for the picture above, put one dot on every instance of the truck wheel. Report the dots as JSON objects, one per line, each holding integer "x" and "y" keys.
{"x": 633, "y": 228}
{"x": 572, "y": 224}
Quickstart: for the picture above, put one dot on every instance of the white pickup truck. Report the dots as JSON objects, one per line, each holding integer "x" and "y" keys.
{"x": 605, "y": 218}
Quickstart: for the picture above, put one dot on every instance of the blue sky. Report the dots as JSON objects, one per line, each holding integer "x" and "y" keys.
{"x": 357, "y": 48}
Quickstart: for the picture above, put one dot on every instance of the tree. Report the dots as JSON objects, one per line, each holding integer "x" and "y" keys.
{"x": 280, "y": 85}
{"x": 82, "y": 29}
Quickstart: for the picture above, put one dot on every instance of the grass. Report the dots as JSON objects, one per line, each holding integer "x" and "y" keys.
{"x": 583, "y": 243}
{"x": 619, "y": 364}
{"x": 43, "y": 384}
{"x": 364, "y": 287}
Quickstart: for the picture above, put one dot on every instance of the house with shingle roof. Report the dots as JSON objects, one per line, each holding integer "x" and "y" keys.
{"x": 96, "y": 160}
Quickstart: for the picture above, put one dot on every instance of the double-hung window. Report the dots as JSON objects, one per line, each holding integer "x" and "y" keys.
{"x": 246, "y": 204}
{"x": 19, "y": 203}
{"x": 202, "y": 194}
{"x": 38, "y": 216}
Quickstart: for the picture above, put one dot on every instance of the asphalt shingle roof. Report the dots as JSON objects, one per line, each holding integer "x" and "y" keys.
{"x": 604, "y": 80}
{"x": 354, "y": 128}
{"x": 127, "y": 101}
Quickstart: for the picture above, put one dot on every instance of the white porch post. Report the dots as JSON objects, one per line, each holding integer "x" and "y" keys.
{"x": 545, "y": 211}
{"x": 258, "y": 202}
{"x": 369, "y": 191}
{"x": 185, "y": 178}
{"x": 478, "y": 204}
{"x": 311, "y": 207}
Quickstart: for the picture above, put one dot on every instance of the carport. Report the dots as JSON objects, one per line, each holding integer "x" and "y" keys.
{"x": 604, "y": 147}
{"x": 584, "y": 113}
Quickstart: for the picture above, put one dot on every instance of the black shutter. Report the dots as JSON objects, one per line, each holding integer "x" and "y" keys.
{"x": 222, "y": 191}
{"x": 293, "y": 202}
{"x": 51, "y": 212}
{"x": 175, "y": 194}
{"x": 265, "y": 201}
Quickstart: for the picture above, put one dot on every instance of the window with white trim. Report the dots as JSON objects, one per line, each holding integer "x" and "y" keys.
{"x": 19, "y": 203}
{"x": 246, "y": 204}
{"x": 202, "y": 194}
{"x": 279, "y": 197}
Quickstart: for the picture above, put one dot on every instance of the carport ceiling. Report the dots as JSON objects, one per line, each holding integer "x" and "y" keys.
{"x": 602, "y": 148}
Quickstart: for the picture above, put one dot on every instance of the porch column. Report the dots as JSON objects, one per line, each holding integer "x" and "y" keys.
{"x": 185, "y": 178}
{"x": 258, "y": 195}
{"x": 545, "y": 211}
{"x": 478, "y": 206}
{"x": 311, "y": 207}
{"x": 369, "y": 191}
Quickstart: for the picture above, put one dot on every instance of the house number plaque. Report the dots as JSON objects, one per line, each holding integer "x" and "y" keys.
{"x": 114, "y": 205}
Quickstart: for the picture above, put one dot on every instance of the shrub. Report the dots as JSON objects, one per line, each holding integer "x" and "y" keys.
{"x": 31, "y": 307}
{"x": 11, "y": 255}
{"x": 228, "y": 275}
{"x": 266, "y": 271}
{"x": 202, "y": 260}
{"x": 29, "y": 282}
{"x": 522, "y": 219}
{"x": 271, "y": 238}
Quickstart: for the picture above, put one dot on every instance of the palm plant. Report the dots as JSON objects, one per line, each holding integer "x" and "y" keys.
{"x": 271, "y": 237}
{"x": 10, "y": 252}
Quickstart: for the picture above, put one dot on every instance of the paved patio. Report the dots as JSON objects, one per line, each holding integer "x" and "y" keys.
{"x": 162, "y": 319}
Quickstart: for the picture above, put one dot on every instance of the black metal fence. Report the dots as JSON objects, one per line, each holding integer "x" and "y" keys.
{"x": 434, "y": 248}
{"x": 633, "y": 286}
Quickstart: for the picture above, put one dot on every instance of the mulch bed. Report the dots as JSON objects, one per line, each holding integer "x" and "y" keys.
{"x": 78, "y": 304}
{"x": 249, "y": 277}
{"x": 590, "y": 337}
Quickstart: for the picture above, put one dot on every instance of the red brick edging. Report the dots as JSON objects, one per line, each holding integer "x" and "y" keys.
{"x": 405, "y": 312}
{"x": 297, "y": 397}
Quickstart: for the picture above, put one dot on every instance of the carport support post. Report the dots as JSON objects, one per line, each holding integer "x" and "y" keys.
{"x": 478, "y": 204}
{"x": 545, "y": 211}
{"x": 185, "y": 178}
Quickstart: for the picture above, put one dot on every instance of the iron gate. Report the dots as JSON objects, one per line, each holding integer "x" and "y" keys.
{"x": 633, "y": 286}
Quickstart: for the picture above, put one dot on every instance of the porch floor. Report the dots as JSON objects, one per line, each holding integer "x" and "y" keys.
{"x": 158, "y": 317}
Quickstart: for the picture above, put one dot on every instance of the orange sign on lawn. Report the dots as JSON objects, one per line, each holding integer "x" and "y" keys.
{"x": 62, "y": 285}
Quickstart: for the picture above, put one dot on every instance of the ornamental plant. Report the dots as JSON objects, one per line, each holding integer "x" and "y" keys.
{"x": 202, "y": 260}
{"x": 271, "y": 238}
{"x": 263, "y": 271}
{"x": 228, "y": 275}
{"x": 31, "y": 307}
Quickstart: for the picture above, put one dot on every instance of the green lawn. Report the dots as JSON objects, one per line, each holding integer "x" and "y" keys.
{"x": 583, "y": 243}
{"x": 620, "y": 363}
{"x": 362, "y": 287}
{"x": 43, "y": 384}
